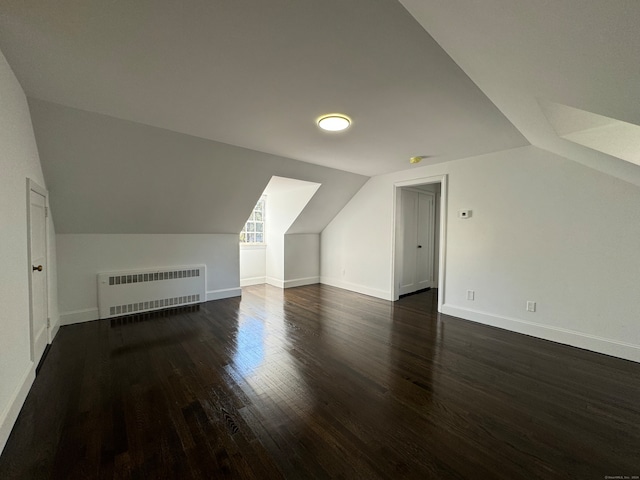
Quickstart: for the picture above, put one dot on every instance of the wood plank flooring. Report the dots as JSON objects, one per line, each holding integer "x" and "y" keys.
{"x": 317, "y": 382}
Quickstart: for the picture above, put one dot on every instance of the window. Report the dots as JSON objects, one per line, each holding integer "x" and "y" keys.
{"x": 253, "y": 231}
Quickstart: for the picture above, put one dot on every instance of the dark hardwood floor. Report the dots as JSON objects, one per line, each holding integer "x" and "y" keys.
{"x": 317, "y": 382}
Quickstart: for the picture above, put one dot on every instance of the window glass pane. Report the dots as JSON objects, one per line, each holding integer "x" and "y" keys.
{"x": 253, "y": 231}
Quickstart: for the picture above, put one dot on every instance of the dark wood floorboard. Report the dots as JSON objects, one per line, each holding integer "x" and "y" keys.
{"x": 317, "y": 382}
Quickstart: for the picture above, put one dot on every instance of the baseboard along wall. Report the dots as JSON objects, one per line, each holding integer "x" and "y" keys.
{"x": 565, "y": 336}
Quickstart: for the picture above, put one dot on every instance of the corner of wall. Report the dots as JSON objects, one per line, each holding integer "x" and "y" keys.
{"x": 363, "y": 289}
{"x": 223, "y": 293}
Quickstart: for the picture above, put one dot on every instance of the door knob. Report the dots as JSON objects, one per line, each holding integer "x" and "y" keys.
{"x": 38, "y": 268}
{"x": 419, "y": 246}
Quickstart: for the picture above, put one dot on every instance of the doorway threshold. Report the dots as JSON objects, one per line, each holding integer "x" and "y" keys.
{"x": 422, "y": 290}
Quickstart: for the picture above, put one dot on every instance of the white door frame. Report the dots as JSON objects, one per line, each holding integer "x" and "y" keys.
{"x": 395, "y": 261}
{"x": 33, "y": 186}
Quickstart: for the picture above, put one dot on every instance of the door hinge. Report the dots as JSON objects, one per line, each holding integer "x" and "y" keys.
{"x": 46, "y": 212}
{"x": 48, "y": 322}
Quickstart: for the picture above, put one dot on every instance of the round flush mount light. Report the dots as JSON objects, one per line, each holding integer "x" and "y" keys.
{"x": 334, "y": 122}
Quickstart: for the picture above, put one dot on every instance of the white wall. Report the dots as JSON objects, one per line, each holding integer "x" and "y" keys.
{"x": 83, "y": 256}
{"x": 355, "y": 248}
{"x": 544, "y": 228}
{"x": 282, "y": 209}
{"x": 253, "y": 264}
{"x": 18, "y": 160}
{"x": 275, "y": 228}
{"x": 301, "y": 259}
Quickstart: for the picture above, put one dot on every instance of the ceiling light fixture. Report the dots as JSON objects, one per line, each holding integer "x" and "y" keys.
{"x": 334, "y": 122}
{"x": 417, "y": 158}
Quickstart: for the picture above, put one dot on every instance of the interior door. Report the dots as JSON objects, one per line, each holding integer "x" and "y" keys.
{"x": 38, "y": 271}
{"x": 418, "y": 215}
{"x": 425, "y": 232}
{"x": 409, "y": 209}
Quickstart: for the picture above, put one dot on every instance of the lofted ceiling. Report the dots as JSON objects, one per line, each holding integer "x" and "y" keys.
{"x": 526, "y": 54}
{"x": 108, "y": 175}
{"x": 257, "y": 74}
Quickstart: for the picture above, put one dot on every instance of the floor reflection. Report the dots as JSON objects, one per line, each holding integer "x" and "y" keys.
{"x": 250, "y": 346}
{"x": 311, "y": 364}
{"x": 414, "y": 348}
{"x": 263, "y": 355}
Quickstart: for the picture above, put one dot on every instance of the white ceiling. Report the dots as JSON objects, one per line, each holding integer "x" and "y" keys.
{"x": 108, "y": 175}
{"x": 583, "y": 54}
{"x": 257, "y": 73}
{"x": 279, "y": 185}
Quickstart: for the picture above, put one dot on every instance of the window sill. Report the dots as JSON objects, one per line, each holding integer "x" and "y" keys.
{"x": 253, "y": 246}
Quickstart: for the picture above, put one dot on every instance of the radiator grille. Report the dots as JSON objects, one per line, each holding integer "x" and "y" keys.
{"x": 126, "y": 293}
{"x": 152, "y": 277}
{"x": 152, "y": 305}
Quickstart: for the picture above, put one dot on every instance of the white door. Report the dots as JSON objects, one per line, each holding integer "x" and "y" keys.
{"x": 425, "y": 249}
{"x": 409, "y": 229}
{"x": 417, "y": 240}
{"x": 38, "y": 270}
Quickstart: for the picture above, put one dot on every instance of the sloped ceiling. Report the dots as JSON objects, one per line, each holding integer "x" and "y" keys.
{"x": 308, "y": 211}
{"x": 523, "y": 53}
{"x": 107, "y": 175}
{"x": 258, "y": 73}
{"x": 161, "y": 91}
{"x": 604, "y": 134}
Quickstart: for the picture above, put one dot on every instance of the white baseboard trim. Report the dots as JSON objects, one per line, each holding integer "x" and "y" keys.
{"x": 372, "y": 292}
{"x": 223, "y": 293}
{"x": 565, "y": 336}
{"x": 54, "y": 330}
{"x": 299, "y": 282}
{"x": 10, "y": 414}
{"x": 275, "y": 282}
{"x": 245, "y": 282}
{"x": 79, "y": 316}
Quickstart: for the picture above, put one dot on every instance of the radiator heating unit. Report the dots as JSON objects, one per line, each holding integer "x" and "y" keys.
{"x": 135, "y": 291}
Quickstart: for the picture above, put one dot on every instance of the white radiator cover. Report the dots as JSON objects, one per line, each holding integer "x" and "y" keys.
{"x": 135, "y": 291}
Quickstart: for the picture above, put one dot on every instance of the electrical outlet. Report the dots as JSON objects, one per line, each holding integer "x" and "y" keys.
{"x": 531, "y": 306}
{"x": 471, "y": 295}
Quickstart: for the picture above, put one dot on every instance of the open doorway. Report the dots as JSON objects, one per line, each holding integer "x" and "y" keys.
{"x": 419, "y": 236}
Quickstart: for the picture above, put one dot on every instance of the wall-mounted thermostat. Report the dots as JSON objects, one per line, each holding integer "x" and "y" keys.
{"x": 464, "y": 213}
